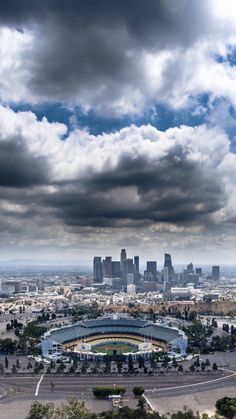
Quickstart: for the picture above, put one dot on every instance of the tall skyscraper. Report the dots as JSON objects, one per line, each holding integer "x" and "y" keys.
{"x": 97, "y": 269}
{"x": 123, "y": 257}
{"x": 107, "y": 266}
{"x": 215, "y": 272}
{"x": 168, "y": 261}
{"x": 136, "y": 269}
{"x": 136, "y": 264}
{"x": 190, "y": 268}
{"x": 116, "y": 271}
{"x": 128, "y": 268}
{"x": 152, "y": 269}
{"x": 168, "y": 264}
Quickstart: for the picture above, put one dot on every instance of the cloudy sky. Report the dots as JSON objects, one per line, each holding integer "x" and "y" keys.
{"x": 117, "y": 129}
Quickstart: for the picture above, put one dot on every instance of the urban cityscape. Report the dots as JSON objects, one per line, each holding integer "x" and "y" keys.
{"x": 153, "y": 334}
{"x": 117, "y": 209}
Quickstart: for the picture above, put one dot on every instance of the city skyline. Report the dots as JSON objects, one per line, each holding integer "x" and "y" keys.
{"x": 117, "y": 129}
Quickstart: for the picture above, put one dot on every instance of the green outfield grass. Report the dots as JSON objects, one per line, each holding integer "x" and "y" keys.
{"x": 119, "y": 347}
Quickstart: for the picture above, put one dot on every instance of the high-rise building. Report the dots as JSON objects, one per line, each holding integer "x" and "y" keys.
{"x": 128, "y": 268}
{"x": 97, "y": 269}
{"x": 136, "y": 264}
{"x": 116, "y": 271}
{"x": 166, "y": 278}
{"x": 130, "y": 279}
{"x": 107, "y": 266}
{"x": 198, "y": 271}
{"x": 167, "y": 261}
{"x": 123, "y": 257}
{"x": 190, "y": 268}
{"x": 168, "y": 264}
{"x": 215, "y": 272}
{"x": 136, "y": 269}
{"x": 152, "y": 269}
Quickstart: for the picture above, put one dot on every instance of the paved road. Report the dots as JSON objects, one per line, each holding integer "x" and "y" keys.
{"x": 172, "y": 390}
{"x": 81, "y": 386}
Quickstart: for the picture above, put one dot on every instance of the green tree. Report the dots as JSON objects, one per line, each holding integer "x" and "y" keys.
{"x": 214, "y": 367}
{"x": 174, "y": 363}
{"x": 40, "y": 411}
{"x": 188, "y": 414}
{"x": 226, "y": 407}
{"x": 14, "y": 369}
{"x": 138, "y": 391}
{"x": 6, "y": 362}
{"x": 180, "y": 368}
{"x": 1, "y": 368}
{"x": 130, "y": 364}
{"x": 73, "y": 410}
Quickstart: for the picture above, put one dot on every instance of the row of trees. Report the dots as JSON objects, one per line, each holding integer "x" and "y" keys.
{"x": 75, "y": 409}
{"x": 201, "y": 339}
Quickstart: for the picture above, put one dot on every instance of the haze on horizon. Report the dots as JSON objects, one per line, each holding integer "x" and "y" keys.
{"x": 117, "y": 129}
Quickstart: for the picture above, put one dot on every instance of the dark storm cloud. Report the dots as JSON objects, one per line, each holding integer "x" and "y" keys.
{"x": 91, "y": 49}
{"x": 20, "y": 169}
{"x": 173, "y": 189}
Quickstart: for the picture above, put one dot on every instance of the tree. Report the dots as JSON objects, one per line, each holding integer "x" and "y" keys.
{"x": 225, "y": 327}
{"x": 6, "y": 362}
{"x": 207, "y": 363}
{"x": 226, "y": 407}
{"x": 138, "y": 391}
{"x": 14, "y": 369}
{"x": 130, "y": 364}
{"x": 1, "y": 368}
{"x": 8, "y": 327}
{"x": 141, "y": 361}
{"x": 141, "y": 403}
{"x": 40, "y": 411}
{"x": 214, "y": 367}
{"x": 73, "y": 410}
{"x": 203, "y": 366}
{"x": 119, "y": 366}
{"x": 29, "y": 366}
{"x": 188, "y": 414}
{"x": 192, "y": 368}
{"x": 180, "y": 368}
{"x": 174, "y": 363}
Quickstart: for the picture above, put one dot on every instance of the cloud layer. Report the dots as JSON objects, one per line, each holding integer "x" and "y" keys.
{"x": 138, "y": 179}
{"x": 63, "y": 188}
{"x": 117, "y": 58}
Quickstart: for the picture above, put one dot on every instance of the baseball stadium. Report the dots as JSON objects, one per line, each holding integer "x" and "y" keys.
{"x": 95, "y": 339}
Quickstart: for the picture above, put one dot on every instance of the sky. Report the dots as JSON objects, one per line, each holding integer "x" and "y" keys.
{"x": 118, "y": 129}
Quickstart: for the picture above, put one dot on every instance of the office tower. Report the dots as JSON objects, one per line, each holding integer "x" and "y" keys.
{"x": 107, "y": 266}
{"x": 136, "y": 264}
{"x": 166, "y": 278}
{"x": 123, "y": 256}
{"x": 152, "y": 269}
{"x": 198, "y": 271}
{"x": 168, "y": 264}
{"x": 128, "y": 268}
{"x": 168, "y": 261}
{"x": 116, "y": 271}
{"x": 190, "y": 268}
{"x": 130, "y": 279}
{"x": 136, "y": 269}
{"x": 215, "y": 272}
{"x": 97, "y": 269}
